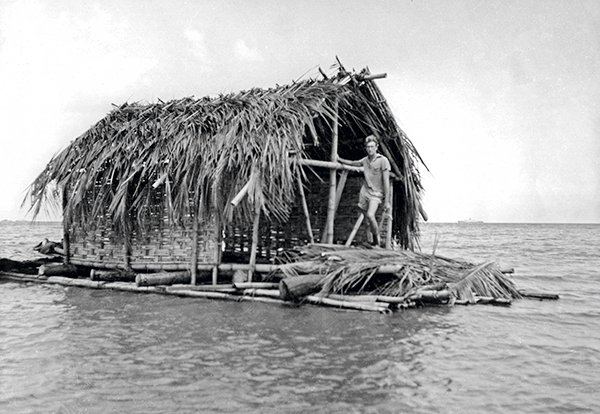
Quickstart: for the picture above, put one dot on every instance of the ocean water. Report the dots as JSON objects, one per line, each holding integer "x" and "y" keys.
{"x": 72, "y": 350}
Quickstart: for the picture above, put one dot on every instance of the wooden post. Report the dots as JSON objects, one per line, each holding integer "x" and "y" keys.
{"x": 255, "y": 229}
{"x": 338, "y": 196}
{"x": 195, "y": 229}
{"x": 332, "y": 181}
{"x": 388, "y": 236}
{"x": 66, "y": 221}
{"x": 126, "y": 232}
{"x": 340, "y": 188}
{"x": 355, "y": 229}
{"x": 218, "y": 250}
{"x": 305, "y": 208}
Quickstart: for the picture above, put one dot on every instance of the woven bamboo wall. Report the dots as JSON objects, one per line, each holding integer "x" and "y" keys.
{"x": 163, "y": 243}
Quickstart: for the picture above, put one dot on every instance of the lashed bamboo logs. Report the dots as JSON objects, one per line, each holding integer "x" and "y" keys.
{"x": 165, "y": 278}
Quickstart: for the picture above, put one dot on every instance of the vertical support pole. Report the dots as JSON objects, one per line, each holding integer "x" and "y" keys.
{"x": 218, "y": 249}
{"x": 305, "y": 208}
{"x": 126, "y": 232}
{"x": 390, "y": 218}
{"x": 66, "y": 221}
{"x": 195, "y": 229}
{"x": 255, "y": 229}
{"x": 332, "y": 180}
{"x": 340, "y": 188}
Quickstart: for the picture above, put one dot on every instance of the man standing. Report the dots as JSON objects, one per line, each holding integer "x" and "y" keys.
{"x": 376, "y": 184}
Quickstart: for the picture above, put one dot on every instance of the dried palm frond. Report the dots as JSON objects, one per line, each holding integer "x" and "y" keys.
{"x": 355, "y": 271}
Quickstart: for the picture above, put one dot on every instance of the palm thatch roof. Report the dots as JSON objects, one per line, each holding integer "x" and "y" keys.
{"x": 201, "y": 152}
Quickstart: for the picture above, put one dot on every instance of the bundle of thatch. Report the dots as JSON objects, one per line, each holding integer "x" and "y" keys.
{"x": 399, "y": 274}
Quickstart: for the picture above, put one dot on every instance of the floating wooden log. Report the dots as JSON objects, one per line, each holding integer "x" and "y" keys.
{"x": 432, "y": 296}
{"x": 112, "y": 275}
{"x": 353, "y": 298}
{"x": 297, "y": 287}
{"x": 166, "y": 278}
{"x": 67, "y": 270}
{"x": 485, "y": 300}
{"x": 269, "y": 293}
{"x": 204, "y": 288}
{"x": 67, "y": 281}
{"x": 538, "y": 295}
{"x": 255, "y": 285}
{"x": 375, "y": 307}
{"x": 260, "y": 299}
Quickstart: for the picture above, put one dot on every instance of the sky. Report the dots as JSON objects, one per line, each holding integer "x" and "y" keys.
{"x": 500, "y": 97}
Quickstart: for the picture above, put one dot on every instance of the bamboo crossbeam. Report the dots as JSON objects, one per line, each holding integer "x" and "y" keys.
{"x": 328, "y": 164}
{"x": 371, "y": 77}
{"x": 336, "y": 166}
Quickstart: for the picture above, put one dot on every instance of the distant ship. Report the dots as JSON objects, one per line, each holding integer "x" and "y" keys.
{"x": 470, "y": 221}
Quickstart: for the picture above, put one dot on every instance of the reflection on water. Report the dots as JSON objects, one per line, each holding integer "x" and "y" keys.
{"x": 71, "y": 350}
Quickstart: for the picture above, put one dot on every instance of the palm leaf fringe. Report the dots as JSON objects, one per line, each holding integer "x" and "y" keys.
{"x": 355, "y": 271}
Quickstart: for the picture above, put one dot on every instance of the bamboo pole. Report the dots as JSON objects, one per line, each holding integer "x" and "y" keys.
{"x": 239, "y": 196}
{"x": 328, "y": 231}
{"x": 337, "y": 166}
{"x": 194, "y": 260}
{"x": 390, "y": 217}
{"x": 66, "y": 220}
{"x": 126, "y": 232}
{"x": 375, "y": 306}
{"x": 355, "y": 229}
{"x": 372, "y": 77}
{"x": 338, "y": 195}
{"x": 253, "y": 249}
{"x": 218, "y": 250}
{"x": 305, "y": 209}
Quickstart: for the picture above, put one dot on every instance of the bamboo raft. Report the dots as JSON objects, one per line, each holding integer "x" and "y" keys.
{"x": 334, "y": 276}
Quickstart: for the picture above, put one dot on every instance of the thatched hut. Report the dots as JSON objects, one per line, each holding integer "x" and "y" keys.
{"x": 238, "y": 178}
